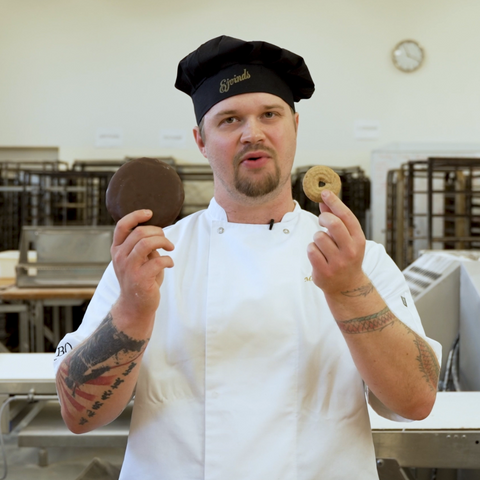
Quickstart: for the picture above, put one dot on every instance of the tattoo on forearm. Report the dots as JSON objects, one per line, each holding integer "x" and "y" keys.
{"x": 359, "y": 292}
{"x": 427, "y": 360}
{"x": 86, "y": 366}
{"x": 370, "y": 323}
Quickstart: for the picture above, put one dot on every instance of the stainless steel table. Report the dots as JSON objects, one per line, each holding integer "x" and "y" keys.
{"x": 448, "y": 438}
{"x": 24, "y": 374}
{"x": 47, "y": 429}
{"x": 40, "y": 424}
{"x": 31, "y": 302}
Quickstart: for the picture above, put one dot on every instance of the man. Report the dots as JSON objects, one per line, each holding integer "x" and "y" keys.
{"x": 249, "y": 358}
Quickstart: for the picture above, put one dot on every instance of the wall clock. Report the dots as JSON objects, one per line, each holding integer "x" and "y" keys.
{"x": 408, "y": 56}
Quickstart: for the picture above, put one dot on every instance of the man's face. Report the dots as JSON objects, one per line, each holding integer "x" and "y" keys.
{"x": 250, "y": 142}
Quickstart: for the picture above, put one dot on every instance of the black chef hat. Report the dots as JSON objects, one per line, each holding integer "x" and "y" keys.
{"x": 226, "y": 66}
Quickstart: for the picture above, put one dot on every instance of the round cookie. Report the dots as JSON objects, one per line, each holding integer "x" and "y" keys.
{"x": 146, "y": 183}
{"x": 320, "y": 178}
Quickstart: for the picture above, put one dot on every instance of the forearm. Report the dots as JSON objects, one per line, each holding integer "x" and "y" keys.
{"x": 398, "y": 365}
{"x": 97, "y": 379}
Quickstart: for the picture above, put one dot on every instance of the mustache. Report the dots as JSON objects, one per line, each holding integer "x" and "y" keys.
{"x": 253, "y": 148}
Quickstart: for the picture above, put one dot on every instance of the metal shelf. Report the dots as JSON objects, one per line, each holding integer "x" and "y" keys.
{"x": 433, "y": 204}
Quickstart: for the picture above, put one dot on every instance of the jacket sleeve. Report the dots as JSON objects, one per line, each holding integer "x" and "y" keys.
{"x": 106, "y": 294}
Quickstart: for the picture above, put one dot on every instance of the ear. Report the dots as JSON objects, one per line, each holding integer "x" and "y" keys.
{"x": 297, "y": 119}
{"x": 199, "y": 141}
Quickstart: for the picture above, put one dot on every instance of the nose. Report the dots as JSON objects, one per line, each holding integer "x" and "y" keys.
{"x": 252, "y": 131}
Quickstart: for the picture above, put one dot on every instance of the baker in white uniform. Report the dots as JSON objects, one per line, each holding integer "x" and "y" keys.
{"x": 251, "y": 333}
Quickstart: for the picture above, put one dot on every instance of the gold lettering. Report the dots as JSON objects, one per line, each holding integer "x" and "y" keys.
{"x": 226, "y": 83}
{"x": 223, "y": 86}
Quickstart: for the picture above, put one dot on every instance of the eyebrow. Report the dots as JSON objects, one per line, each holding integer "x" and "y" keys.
{"x": 225, "y": 112}
{"x": 273, "y": 106}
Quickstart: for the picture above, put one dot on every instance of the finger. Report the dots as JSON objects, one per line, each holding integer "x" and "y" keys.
{"x": 326, "y": 245}
{"x": 339, "y": 209}
{"x": 323, "y": 208}
{"x": 153, "y": 255}
{"x": 144, "y": 232}
{"x": 343, "y": 246}
{"x": 316, "y": 258}
{"x": 148, "y": 245}
{"x": 335, "y": 227}
{"x": 155, "y": 266}
{"x": 126, "y": 225}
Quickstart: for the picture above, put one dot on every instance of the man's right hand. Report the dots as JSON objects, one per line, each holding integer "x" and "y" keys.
{"x": 97, "y": 378}
{"x": 138, "y": 265}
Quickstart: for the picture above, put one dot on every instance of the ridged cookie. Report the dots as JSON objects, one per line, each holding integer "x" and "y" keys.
{"x": 320, "y": 178}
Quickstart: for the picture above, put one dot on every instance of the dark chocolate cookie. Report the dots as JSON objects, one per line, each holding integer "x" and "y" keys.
{"x": 146, "y": 183}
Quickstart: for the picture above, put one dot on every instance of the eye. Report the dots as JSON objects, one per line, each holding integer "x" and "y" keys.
{"x": 269, "y": 114}
{"x": 229, "y": 120}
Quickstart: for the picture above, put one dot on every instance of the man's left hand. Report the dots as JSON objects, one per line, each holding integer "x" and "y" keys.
{"x": 337, "y": 254}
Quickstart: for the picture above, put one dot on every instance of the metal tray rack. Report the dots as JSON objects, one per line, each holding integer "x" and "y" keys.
{"x": 433, "y": 205}
{"x": 17, "y": 203}
{"x": 73, "y": 198}
{"x": 97, "y": 165}
{"x": 355, "y": 192}
{"x": 170, "y": 160}
{"x": 198, "y": 184}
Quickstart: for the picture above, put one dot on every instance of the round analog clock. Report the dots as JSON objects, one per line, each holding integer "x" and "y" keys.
{"x": 408, "y": 55}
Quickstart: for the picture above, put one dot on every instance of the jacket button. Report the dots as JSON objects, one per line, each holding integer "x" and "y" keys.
{"x": 286, "y": 230}
{"x": 220, "y": 230}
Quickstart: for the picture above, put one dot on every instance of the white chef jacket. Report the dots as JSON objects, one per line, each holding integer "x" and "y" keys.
{"x": 247, "y": 376}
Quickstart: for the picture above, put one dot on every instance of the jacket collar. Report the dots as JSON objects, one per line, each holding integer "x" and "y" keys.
{"x": 218, "y": 214}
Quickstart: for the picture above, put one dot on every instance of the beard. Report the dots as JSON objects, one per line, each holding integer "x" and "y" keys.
{"x": 259, "y": 183}
{"x": 254, "y": 188}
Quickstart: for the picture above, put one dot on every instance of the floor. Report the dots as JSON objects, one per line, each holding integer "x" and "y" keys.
{"x": 64, "y": 463}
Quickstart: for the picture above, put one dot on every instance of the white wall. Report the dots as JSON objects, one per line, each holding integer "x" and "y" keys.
{"x": 70, "y": 67}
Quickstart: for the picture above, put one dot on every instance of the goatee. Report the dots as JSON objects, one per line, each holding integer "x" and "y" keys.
{"x": 265, "y": 183}
{"x": 252, "y": 187}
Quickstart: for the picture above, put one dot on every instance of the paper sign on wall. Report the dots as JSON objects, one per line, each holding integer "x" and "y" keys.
{"x": 109, "y": 137}
{"x": 172, "y": 138}
{"x": 366, "y": 129}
